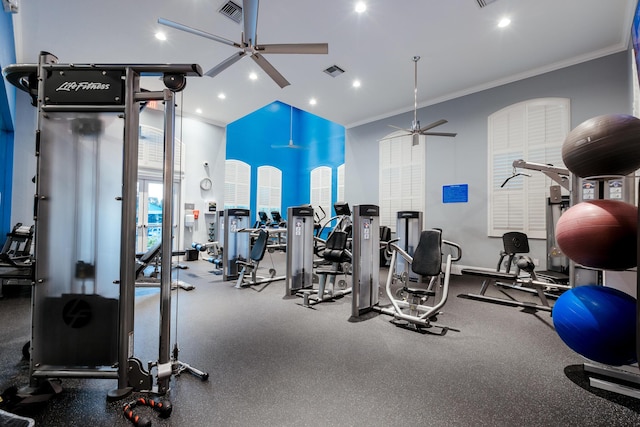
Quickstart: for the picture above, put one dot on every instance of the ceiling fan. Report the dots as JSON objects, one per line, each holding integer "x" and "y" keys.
{"x": 416, "y": 130}
{"x": 290, "y": 144}
{"x": 248, "y": 44}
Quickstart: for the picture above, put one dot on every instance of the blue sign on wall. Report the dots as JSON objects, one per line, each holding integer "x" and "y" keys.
{"x": 455, "y": 193}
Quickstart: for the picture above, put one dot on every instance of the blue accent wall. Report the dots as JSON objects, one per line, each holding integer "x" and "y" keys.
{"x": 7, "y": 117}
{"x": 260, "y": 139}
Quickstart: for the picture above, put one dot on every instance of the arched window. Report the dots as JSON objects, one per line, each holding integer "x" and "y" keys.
{"x": 237, "y": 184}
{"x": 402, "y": 177}
{"x": 269, "y": 193}
{"x": 534, "y": 131}
{"x": 321, "y": 188}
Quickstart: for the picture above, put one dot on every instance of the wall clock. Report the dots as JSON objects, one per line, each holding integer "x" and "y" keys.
{"x": 206, "y": 184}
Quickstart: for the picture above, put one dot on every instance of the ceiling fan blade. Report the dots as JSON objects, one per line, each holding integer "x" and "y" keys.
{"x": 438, "y": 133}
{"x": 415, "y": 139}
{"x": 270, "y": 70}
{"x": 197, "y": 32}
{"x": 392, "y": 137}
{"x": 297, "y": 147}
{"x": 432, "y": 125}
{"x": 409, "y": 131}
{"x": 225, "y": 64}
{"x": 295, "y": 48}
{"x": 250, "y": 21}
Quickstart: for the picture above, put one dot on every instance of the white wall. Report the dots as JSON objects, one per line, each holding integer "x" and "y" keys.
{"x": 601, "y": 86}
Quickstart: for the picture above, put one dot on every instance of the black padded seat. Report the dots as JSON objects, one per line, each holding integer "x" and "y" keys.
{"x": 257, "y": 251}
{"x": 335, "y": 252}
{"x": 427, "y": 260}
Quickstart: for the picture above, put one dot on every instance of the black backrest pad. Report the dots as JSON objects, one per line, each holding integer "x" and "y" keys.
{"x": 259, "y": 247}
{"x": 335, "y": 246}
{"x": 427, "y": 258}
{"x": 515, "y": 242}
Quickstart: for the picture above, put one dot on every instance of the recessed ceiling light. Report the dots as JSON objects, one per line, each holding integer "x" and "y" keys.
{"x": 361, "y": 7}
{"x": 161, "y": 36}
{"x": 313, "y": 101}
{"x": 504, "y": 22}
{"x": 199, "y": 110}
{"x": 253, "y": 76}
{"x": 221, "y": 96}
{"x": 356, "y": 83}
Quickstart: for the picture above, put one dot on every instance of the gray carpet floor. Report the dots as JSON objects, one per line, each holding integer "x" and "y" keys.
{"x": 273, "y": 363}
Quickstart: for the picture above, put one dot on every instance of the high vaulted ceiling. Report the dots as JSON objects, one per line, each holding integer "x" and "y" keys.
{"x": 461, "y": 48}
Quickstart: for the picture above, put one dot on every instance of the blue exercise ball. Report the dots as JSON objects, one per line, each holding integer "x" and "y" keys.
{"x": 599, "y": 323}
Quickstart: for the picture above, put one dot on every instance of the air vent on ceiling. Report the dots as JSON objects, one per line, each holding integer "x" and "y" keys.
{"x": 334, "y": 71}
{"x": 232, "y": 11}
{"x": 485, "y": 3}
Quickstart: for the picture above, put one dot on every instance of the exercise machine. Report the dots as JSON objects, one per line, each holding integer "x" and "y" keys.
{"x": 251, "y": 265}
{"x": 235, "y": 243}
{"x": 300, "y": 239}
{"x": 412, "y": 311}
{"x": 366, "y": 259}
{"x": 83, "y": 298}
{"x": 16, "y": 263}
{"x": 335, "y": 261}
{"x": 515, "y": 244}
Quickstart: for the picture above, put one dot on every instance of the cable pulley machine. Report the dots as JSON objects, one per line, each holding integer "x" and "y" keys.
{"x": 83, "y": 298}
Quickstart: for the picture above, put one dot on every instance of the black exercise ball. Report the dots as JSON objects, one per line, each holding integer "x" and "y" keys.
{"x": 603, "y": 146}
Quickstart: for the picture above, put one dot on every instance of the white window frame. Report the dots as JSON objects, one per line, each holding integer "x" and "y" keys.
{"x": 401, "y": 176}
{"x": 320, "y": 193}
{"x": 269, "y": 194}
{"x": 533, "y": 130}
{"x": 340, "y": 195}
{"x": 237, "y": 184}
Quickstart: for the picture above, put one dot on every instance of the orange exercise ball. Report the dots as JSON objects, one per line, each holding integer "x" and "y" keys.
{"x": 600, "y": 234}
{"x": 603, "y": 146}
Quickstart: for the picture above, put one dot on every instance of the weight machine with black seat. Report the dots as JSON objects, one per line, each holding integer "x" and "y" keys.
{"x": 426, "y": 263}
{"x": 251, "y": 265}
{"x": 334, "y": 256}
{"x": 560, "y": 273}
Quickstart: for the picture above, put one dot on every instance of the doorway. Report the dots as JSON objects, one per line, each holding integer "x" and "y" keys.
{"x": 148, "y": 214}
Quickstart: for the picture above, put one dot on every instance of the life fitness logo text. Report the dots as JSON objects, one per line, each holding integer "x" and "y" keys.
{"x": 76, "y": 86}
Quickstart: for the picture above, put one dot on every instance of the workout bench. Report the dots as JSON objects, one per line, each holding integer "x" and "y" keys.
{"x": 498, "y": 278}
{"x": 516, "y": 243}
